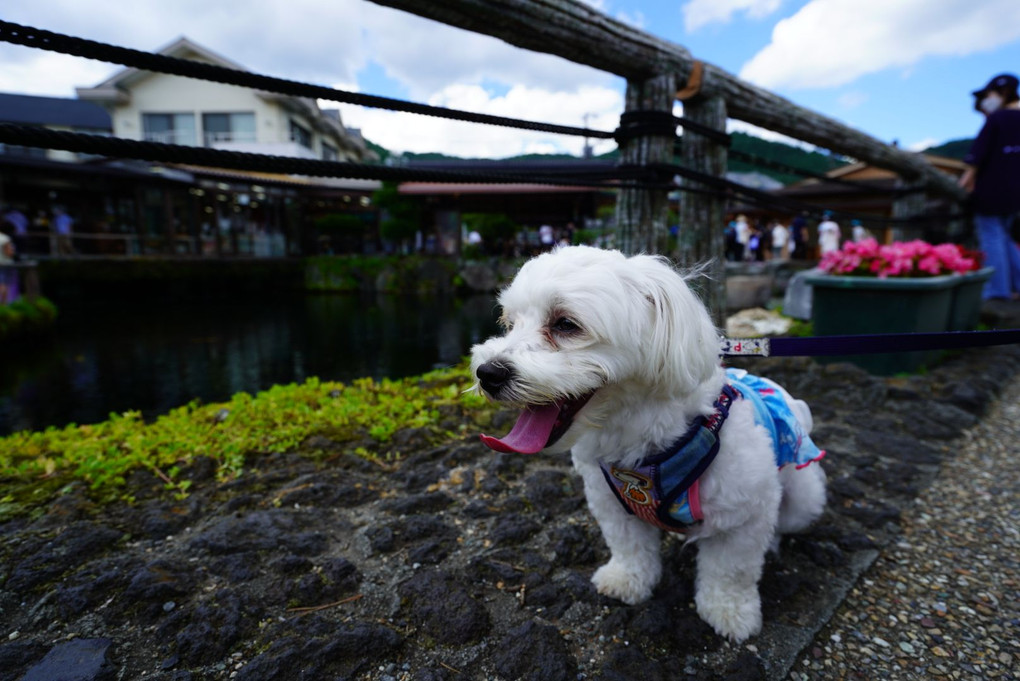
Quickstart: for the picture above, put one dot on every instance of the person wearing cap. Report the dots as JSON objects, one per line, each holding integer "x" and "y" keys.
{"x": 858, "y": 232}
{"x": 993, "y": 178}
{"x": 829, "y": 235}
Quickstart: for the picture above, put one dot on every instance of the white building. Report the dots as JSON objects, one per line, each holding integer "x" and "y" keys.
{"x": 158, "y": 107}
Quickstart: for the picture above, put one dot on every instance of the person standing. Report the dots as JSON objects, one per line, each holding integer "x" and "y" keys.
{"x": 780, "y": 240}
{"x": 799, "y": 238}
{"x": 857, "y": 231}
{"x": 19, "y": 228}
{"x": 828, "y": 234}
{"x": 993, "y": 178}
{"x": 546, "y": 237}
{"x": 63, "y": 225}
{"x": 743, "y": 237}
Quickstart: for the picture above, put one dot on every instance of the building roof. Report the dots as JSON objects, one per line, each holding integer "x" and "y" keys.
{"x": 254, "y": 176}
{"x": 117, "y": 90}
{"x": 53, "y": 111}
{"x": 430, "y": 188}
{"x": 181, "y": 48}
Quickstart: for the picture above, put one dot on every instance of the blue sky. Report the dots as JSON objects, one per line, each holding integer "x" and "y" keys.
{"x": 896, "y": 69}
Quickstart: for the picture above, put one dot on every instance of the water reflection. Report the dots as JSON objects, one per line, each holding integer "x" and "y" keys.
{"x": 158, "y": 356}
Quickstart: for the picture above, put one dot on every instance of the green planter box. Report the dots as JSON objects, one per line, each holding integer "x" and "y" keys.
{"x": 863, "y": 305}
{"x": 966, "y": 308}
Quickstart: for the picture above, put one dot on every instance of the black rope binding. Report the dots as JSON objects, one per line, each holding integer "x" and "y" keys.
{"x": 601, "y": 175}
{"x": 592, "y": 174}
{"x": 632, "y": 124}
{"x": 90, "y": 49}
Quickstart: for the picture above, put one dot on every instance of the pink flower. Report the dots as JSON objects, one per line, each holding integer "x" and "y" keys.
{"x": 899, "y": 259}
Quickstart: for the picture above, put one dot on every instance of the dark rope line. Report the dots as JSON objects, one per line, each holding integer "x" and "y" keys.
{"x": 764, "y": 199}
{"x": 633, "y": 123}
{"x": 90, "y": 49}
{"x": 645, "y": 122}
{"x": 657, "y": 176}
{"x": 29, "y": 36}
{"x": 763, "y": 162}
{"x": 116, "y": 147}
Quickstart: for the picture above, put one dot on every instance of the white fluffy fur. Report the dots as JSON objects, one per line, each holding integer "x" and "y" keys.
{"x": 648, "y": 346}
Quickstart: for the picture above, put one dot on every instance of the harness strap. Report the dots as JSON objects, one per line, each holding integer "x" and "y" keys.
{"x": 662, "y": 489}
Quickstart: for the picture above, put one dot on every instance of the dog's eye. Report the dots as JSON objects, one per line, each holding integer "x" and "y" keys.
{"x": 565, "y": 325}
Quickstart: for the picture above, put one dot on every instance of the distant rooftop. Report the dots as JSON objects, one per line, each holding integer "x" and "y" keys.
{"x": 54, "y": 111}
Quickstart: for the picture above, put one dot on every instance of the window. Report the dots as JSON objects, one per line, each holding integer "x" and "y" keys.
{"x": 300, "y": 134}
{"x": 329, "y": 153}
{"x": 169, "y": 128}
{"x": 228, "y": 127}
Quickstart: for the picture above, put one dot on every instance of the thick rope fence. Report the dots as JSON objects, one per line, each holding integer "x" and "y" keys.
{"x": 593, "y": 174}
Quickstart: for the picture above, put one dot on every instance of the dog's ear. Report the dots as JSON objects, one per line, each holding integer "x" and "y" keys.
{"x": 682, "y": 343}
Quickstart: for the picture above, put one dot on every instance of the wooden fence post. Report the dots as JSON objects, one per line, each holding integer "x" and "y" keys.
{"x": 646, "y": 138}
{"x": 702, "y": 214}
{"x": 907, "y": 206}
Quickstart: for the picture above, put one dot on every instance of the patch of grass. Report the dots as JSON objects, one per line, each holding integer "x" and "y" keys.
{"x": 36, "y": 466}
{"x": 25, "y": 316}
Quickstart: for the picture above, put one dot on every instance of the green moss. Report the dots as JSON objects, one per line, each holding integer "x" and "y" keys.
{"x": 403, "y": 274}
{"x": 35, "y": 466}
{"x": 26, "y": 316}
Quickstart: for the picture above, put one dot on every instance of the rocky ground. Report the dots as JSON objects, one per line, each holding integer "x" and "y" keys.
{"x": 457, "y": 563}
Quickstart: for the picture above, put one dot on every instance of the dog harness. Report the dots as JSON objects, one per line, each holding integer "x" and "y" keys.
{"x": 662, "y": 489}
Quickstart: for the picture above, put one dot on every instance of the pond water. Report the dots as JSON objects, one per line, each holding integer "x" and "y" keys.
{"x": 155, "y": 356}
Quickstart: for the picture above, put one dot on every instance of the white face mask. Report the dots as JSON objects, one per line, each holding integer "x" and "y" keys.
{"x": 991, "y": 103}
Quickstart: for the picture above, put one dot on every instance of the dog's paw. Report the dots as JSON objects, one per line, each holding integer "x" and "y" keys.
{"x": 626, "y": 583}
{"x": 736, "y": 616}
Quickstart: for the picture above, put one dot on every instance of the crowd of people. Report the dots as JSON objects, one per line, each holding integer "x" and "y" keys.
{"x": 526, "y": 241}
{"x": 992, "y": 177}
{"x": 773, "y": 240}
{"x": 16, "y": 228}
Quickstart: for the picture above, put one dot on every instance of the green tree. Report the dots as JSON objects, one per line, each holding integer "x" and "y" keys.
{"x": 343, "y": 232}
{"x": 493, "y": 227}
{"x": 401, "y": 216}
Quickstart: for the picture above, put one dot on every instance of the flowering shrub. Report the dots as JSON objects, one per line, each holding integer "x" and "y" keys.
{"x": 899, "y": 259}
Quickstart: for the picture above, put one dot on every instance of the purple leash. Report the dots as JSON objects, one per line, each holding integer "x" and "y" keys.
{"x": 818, "y": 346}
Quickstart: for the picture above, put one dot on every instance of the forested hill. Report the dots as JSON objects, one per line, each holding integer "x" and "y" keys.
{"x": 952, "y": 149}
{"x": 780, "y": 153}
{"x": 777, "y": 152}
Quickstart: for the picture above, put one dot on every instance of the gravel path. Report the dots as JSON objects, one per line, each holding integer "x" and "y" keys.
{"x": 943, "y": 601}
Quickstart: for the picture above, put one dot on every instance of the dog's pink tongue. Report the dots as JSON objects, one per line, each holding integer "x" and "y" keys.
{"x": 529, "y": 434}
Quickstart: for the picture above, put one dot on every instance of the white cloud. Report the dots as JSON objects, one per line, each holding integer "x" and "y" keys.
{"x": 411, "y": 51}
{"x": 733, "y": 125}
{"x": 304, "y": 40}
{"x": 921, "y": 145}
{"x": 331, "y": 43}
{"x": 34, "y": 72}
{"x": 699, "y": 13}
{"x": 829, "y": 43}
{"x": 852, "y": 99}
{"x": 408, "y": 132}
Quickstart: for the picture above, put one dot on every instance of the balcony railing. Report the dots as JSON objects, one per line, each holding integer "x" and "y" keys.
{"x": 186, "y": 137}
{"x": 214, "y": 138}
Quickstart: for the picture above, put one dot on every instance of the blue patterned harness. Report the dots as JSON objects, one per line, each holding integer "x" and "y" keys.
{"x": 662, "y": 489}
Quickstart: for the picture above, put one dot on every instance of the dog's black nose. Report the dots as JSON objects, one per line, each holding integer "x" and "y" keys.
{"x": 494, "y": 376}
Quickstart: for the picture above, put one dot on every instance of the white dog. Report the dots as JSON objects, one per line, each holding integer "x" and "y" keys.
{"x": 617, "y": 360}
